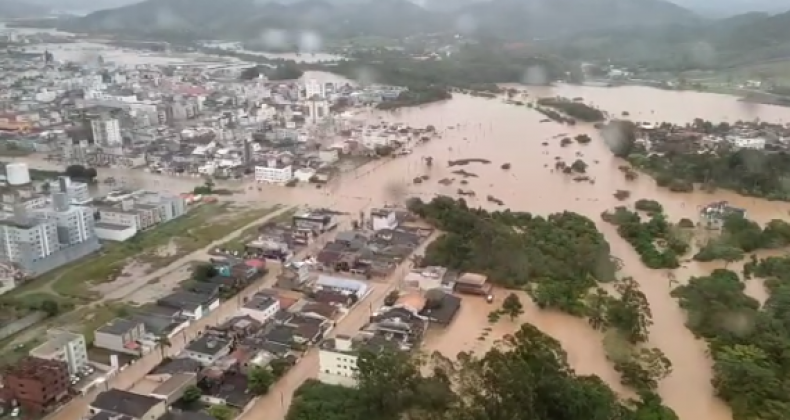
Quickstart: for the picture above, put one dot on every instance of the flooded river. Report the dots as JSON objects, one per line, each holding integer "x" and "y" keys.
{"x": 504, "y": 133}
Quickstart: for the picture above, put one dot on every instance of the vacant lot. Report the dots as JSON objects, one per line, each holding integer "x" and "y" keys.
{"x": 144, "y": 253}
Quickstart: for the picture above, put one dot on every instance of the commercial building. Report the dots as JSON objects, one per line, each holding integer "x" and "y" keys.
{"x": 120, "y": 335}
{"x": 64, "y": 346}
{"x": 125, "y": 403}
{"x": 106, "y": 131}
{"x": 36, "y": 383}
{"x": 275, "y": 172}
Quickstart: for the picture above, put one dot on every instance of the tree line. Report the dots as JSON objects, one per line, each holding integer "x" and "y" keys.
{"x": 749, "y": 344}
{"x": 740, "y": 235}
{"x": 748, "y": 172}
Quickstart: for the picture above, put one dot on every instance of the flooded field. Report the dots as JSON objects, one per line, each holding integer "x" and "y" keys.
{"x": 480, "y": 128}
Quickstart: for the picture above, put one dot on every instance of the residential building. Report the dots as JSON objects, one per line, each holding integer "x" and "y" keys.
{"x": 75, "y": 224}
{"x": 127, "y": 213}
{"x": 261, "y": 307}
{"x": 317, "y": 110}
{"x": 78, "y": 192}
{"x": 207, "y": 349}
{"x": 64, "y": 346}
{"x": 120, "y": 335}
{"x": 314, "y": 88}
{"x": 473, "y": 284}
{"x": 36, "y": 383}
{"x": 275, "y": 172}
{"x": 343, "y": 285}
{"x": 106, "y": 131}
{"x": 114, "y": 232}
{"x": 169, "y": 206}
{"x": 23, "y": 238}
{"x": 191, "y": 305}
{"x": 430, "y": 278}
{"x": 383, "y": 219}
{"x": 397, "y": 329}
{"x": 125, "y": 403}
{"x": 43, "y": 239}
{"x": 172, "y": 389}
{"x": 143, "y": 211}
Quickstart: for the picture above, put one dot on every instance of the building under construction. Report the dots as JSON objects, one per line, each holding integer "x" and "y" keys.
{"x": 36, "y": 384}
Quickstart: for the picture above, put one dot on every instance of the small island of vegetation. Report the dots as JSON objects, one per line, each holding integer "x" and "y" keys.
{"x": 655, "y": 240}
{"x": 574, "y": 109}
{"x": 567, "y": 254}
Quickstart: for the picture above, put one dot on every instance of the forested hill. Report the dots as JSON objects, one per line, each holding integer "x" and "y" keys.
{"x": 508, "y": 19}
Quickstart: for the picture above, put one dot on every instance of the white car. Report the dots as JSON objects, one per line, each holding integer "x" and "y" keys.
{"x": 15, "y": 412}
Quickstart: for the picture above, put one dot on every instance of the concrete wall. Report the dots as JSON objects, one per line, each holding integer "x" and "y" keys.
{"x": 61, "y": 257}
{"x": 21, "y": 324}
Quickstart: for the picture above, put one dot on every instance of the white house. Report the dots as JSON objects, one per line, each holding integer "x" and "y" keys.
{"x": 383, "y": 219}
{"x": 207, "y": 349}
{"x": 261, "y": 308}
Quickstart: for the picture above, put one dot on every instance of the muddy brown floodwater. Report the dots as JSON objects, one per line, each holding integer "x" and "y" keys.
{"x": 501, "y": 133}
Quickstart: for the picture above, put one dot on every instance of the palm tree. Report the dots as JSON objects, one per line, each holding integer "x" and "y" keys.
{"x": 163, "y": 342}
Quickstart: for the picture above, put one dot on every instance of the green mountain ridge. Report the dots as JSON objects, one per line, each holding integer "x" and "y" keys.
{"x": 507, "y": 19}
{"x": 738, "y": 40}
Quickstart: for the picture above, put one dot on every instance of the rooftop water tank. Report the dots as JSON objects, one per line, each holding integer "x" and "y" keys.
{"x": 17, "y": 174}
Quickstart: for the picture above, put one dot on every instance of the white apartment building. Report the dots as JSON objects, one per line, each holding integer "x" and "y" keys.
{"x": 317, "y": 110}
{"x": 22, "y": 238}
{"x": 337, "y": 361}
{"x": 274, "y": 172}
{"x": 313, "y": 88}
{"x": 75, "y": 224}
{"x": 106, "y": 132}
{"x": 78, "y": 192}
{"x": 65, "y": 346}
